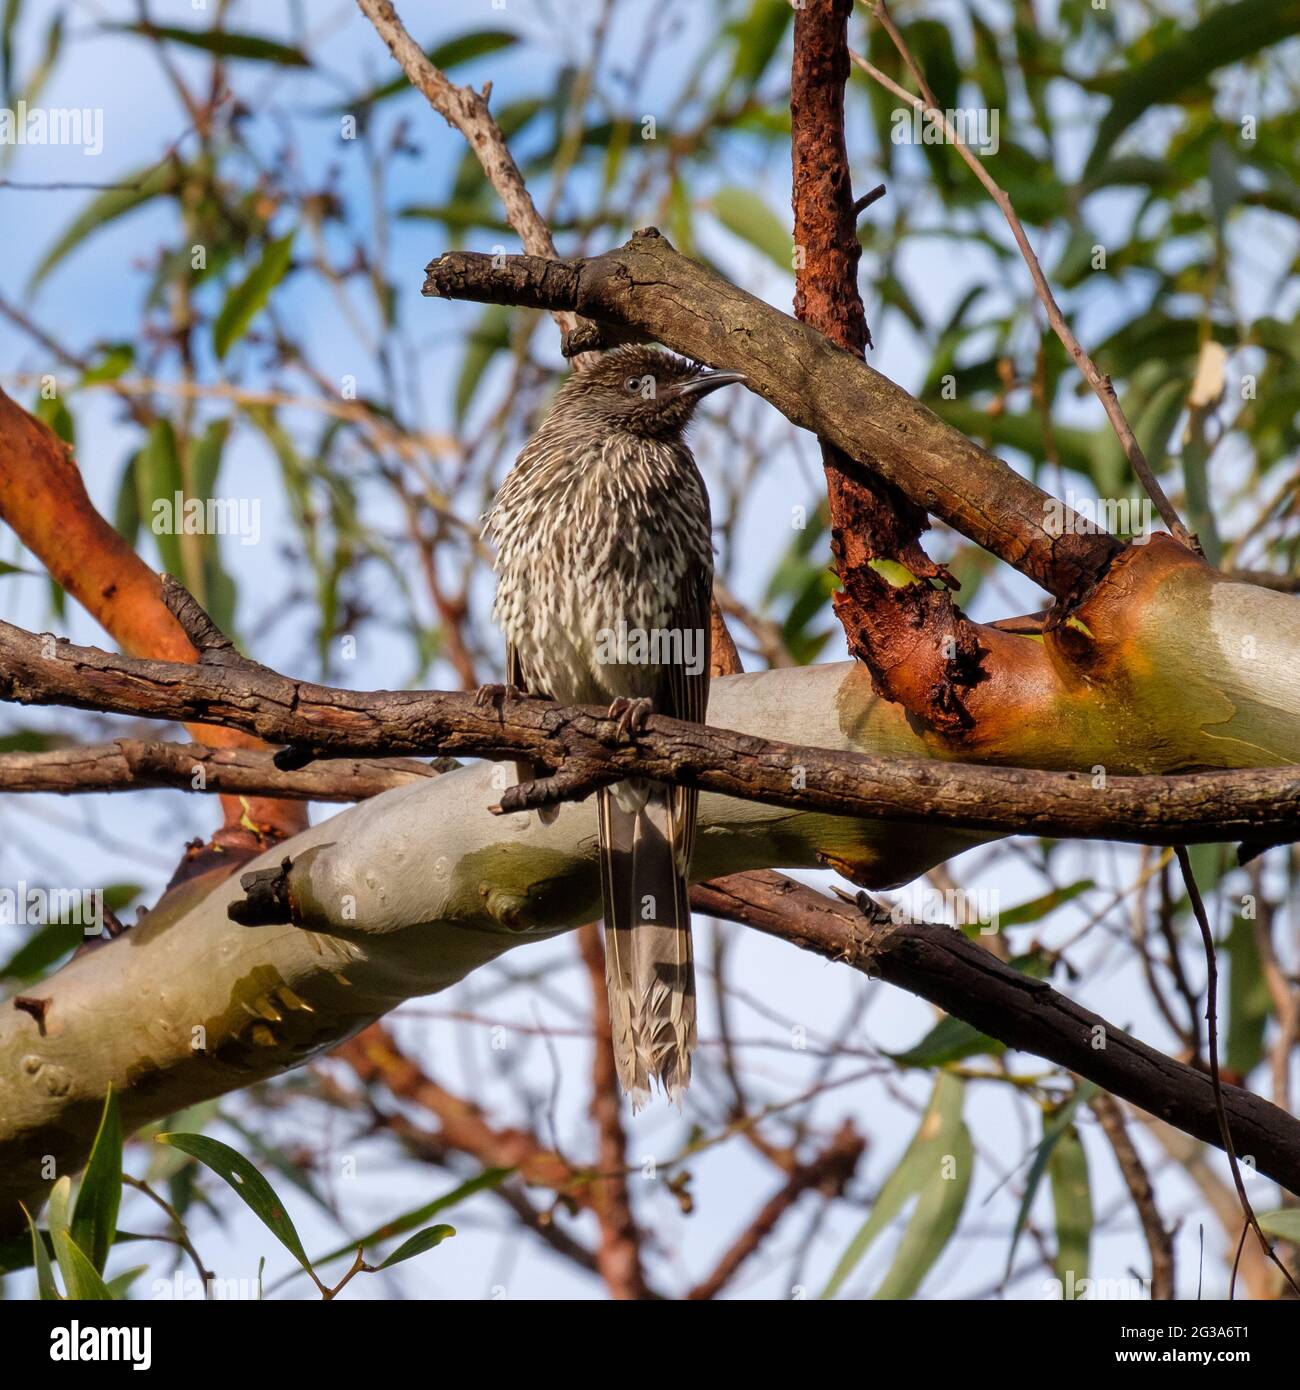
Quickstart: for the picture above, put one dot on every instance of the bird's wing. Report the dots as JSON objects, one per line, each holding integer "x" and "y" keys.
{"x": 647, "y": 836}
{"x": 685, "y": 695}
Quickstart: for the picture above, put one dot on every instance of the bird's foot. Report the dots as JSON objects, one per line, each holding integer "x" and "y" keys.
{"x": 631, "y": 715}
{"x": 497, "y": 695}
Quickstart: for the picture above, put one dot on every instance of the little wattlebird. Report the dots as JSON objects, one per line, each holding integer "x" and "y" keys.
{"x": 605, "y": 575}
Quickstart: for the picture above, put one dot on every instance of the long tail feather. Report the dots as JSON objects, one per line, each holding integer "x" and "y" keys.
{"x": 649, "y": 965}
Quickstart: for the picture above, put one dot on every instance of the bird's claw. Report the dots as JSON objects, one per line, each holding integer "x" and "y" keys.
{"x": 631, "y": 714}
{"x": 497, "y": 694}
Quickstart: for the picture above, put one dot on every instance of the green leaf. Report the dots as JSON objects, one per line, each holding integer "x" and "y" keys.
{"x": 950, "y": 1040}
{"x": 1054, "y": 1126}
{"x": 988, "y": 64}
{"x": 47, "y": 1288}
{"x": 205, "y": 464}
{"x": 120, "y": 895}
{"x": 126, "y": 509}
{"x": 120, "y": 1284}
{"x": 56, "y": 1208}
{"x": 1072, "y": 1201}
{"x": 418, "y": 1244}
{"x": 94, "y": 1224}
{"x": 158, "y": 479}
{"x": 287, "y": 1167}
{"x": 34, "y": 957}
{"x": 464, "y": 48}
{"x": 250, "y": 295}
{"x": 758, "y": 35}
{"x": 32, "y": 741}
{"x": 953, "y": 1039}
{"x": 1196, "y": 482}
{"x": 747, "y": 216}
{"x": 80, "y": 1277}
{"x": 16, "y": 1252}
{"x": 939, "y": 1154}
{"x": 117, "y": 359}
{"x": 252, "y": 1187}
{"x": 53, "y": 411}
{"x": 140, "y": 187}
{"x": 10, "y": 20}
{"x": 252, "y": 47}
{"x": 933, "y": 1222}
{"x": 41, "y": 72}
{"x": 488, "y": 1178}
{"x": 1037, "y": 908}
{"x": 1249, "y": 1002}
{"x": 1226, "y": 35}
{"x": 461, "y": 216}
{"x": 1284, "y": 1224}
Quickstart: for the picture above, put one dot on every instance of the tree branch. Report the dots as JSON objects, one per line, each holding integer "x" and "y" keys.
{"x": 828, "y": 1172}
{"x": 587, "y": 750}
{"x": 411, "y": 891}
{"x": 467, "y": 111}
{"x": 950, "y": 970}
{"x": 647, "y": 286}
{"x": 44, "y": 499}
{"x": 916, "y": 643}
{"x": 130, "y": 764}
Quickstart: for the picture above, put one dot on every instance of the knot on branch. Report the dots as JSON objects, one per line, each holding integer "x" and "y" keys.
{"x": 266, "y": 901}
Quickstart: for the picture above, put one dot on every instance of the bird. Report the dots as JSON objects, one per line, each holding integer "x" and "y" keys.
{"x": 604, "y": 563}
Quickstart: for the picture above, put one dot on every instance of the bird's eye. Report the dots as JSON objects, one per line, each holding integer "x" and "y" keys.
{"x": 633, "y": 383}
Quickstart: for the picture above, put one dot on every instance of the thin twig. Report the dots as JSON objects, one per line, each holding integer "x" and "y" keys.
{"x": 1160, "y": 1243}
{"x": 1211, "y": 1018}
{"x": 1098, "y": 380}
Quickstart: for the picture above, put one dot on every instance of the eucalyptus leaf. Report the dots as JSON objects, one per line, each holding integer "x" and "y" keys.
{"x": 94, "y": 1224}
{"x": 47, "y": 1288}
{"x": 748, "y": 216}
{"x": 220, "y": 43}
{"x": 249, "y": 296}
{"x": 418, "y": 1244}
{"x": 252, "y": 1187}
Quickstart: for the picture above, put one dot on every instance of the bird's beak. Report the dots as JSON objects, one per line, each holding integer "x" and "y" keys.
{"x": 702, "y": 385}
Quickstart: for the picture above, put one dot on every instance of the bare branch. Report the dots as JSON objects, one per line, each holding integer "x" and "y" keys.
{"x": 957, "y": 974}
{"x": 130, "y": 764}
{"x": 1160, "y": 1242}
{"x": 647, "y": 286}
{"x": 590, "y": 750}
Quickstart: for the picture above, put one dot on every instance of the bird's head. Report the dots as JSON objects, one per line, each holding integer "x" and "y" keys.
{"x": 640, "y": 390}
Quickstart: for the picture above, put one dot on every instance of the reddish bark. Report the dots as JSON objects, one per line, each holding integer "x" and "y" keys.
{"x": 618, "y": 1256}
{"x": 920, "y": 649}
{"x": 43, "y": 498}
